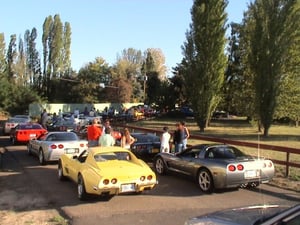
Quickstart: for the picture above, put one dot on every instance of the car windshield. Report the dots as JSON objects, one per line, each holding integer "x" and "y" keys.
{"x": 224, "y": 152}
{"x": 63, "y": 136}
{"x": 106, "y": 156}
{"x": 30, "y": 127}
{"x": 17, "y": 120}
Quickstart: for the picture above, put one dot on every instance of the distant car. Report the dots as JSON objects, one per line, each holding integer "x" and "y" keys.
{"x": 50, "y": 146}
{"x": 106, "y": 171}
{"x": 146, "y": 146}
{"x": 62, "y": 125}
{"x": 216, "y": 166}
{"x": 251, "y": 215}
{"x": 24, "y": 132}
{"x": 12, "y": 122}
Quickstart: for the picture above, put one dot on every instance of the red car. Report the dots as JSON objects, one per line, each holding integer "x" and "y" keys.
{"x": 24, "y": 132}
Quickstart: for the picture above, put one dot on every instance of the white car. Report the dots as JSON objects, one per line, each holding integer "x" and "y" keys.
{"x": 50, "y": 146}
{"x": 12, "y": 122}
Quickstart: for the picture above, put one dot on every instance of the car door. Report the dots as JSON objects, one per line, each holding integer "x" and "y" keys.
{"x": 185, "y": 161}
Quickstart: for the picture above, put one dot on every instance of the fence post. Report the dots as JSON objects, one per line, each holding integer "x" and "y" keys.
{"x": 287, "y": 166}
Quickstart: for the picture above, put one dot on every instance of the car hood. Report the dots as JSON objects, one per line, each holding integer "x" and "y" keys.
{"x": 240, "y": 216}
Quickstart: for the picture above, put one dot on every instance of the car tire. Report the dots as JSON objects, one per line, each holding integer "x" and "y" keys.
{"x": 60, "y": 172}
{"x": 205, "y": 181}
{"x": 160, "y": 166}
{"x": 82, "y": 195}
{"x": 41, "y": 157}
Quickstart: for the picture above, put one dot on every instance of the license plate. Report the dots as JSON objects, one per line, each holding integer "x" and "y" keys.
{"x": 127, "y": 188}
{"x": 71, "y": 150}
{"x": 32, "y": 135}
{"x": 155, "y": 150}
{"x": 251, "y": 174}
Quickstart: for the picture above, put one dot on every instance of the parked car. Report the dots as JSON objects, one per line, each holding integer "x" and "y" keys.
{"x": 62, "y": 125}
{"x": 50, "y": 146}
{"x": 146, "y": 146}
{"x": 216, "y": 166}
{"x": 106, "y": 171}
{"x": 251, "y": 215}
{"x": 12, "y": 122}
{"x": 24, "y": 132}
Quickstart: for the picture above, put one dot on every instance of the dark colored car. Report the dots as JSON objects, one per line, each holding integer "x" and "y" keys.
{"x": 253, "y": 215}
{"x": 146, "y": 146}
{"x": 216, "y": 166}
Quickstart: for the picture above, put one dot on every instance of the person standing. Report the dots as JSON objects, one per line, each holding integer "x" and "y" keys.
{"x": 186, "y": 134}
{"x": 127, "y": 140}
{"x": 93, "y": 133}
{"x": 164, "y": 140}
{"x": 44, "y": 119}
{"x": 106, "y": 139}
{"x": 178, "y": 138}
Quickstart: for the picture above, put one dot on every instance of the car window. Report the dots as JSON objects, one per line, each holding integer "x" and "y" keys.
{"x": 63, "y": 136}
{"x": 30, "y": 127}
{"x": 223, "y": 152}
{"x": 194, "y": 153}
{"x": 101, "y": 157}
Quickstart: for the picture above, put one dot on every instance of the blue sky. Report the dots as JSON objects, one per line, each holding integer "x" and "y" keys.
{"x": 103, "y": 28}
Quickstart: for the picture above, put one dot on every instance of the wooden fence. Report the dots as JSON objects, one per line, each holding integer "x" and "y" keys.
{"x": 287, "y": 150}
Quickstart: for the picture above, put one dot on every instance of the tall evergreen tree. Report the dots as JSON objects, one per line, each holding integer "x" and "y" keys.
{"x": 3, "y": 63}
{"x": 273, "y": 27}
{"x": 204, "y": 58}
{"x": 66, "y": 54}
{"x": 12, "y": 56}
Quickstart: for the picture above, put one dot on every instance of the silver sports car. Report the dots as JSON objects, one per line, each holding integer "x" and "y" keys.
{"x": 216, "y": 166}
{"x": 50, "y": 146}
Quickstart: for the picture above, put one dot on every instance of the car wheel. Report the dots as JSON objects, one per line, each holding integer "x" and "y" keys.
{"x": 61, "y": 175}
{"x": 82, "y": 195}
{"x": 160, "y": 166}
{"x": 41, "y": 157}
{"x": 205, "y": 181}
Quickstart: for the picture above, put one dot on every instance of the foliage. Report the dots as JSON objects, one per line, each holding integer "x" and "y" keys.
{"x": 272, "y": 26}
{"x": 204, "y": 59}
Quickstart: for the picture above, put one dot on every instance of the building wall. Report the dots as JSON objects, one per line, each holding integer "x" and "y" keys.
{"x": 36, "y": 109}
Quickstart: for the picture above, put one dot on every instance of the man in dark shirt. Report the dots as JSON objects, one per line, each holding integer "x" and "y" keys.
{"x": 178, "y": 138}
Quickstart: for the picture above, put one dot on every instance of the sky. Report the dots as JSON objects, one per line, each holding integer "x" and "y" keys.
{"x": 103, "y": 28}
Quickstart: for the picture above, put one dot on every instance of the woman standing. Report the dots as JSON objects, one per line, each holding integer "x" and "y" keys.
{"x": 127, "y": 140}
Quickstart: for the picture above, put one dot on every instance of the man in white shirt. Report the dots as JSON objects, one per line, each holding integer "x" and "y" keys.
{"x": 164, "y": 140}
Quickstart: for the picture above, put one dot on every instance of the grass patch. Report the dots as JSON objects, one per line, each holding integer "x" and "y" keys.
{"x": 58, "y": 220}
{"x": 241, "y": 130}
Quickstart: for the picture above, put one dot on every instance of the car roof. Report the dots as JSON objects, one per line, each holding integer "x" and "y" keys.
{"x": 240, "y": 216}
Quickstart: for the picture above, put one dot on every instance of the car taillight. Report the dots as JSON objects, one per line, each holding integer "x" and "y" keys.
{"x": 106, "y": 181}
{"x": 240, "y": 167}
{"x": 149, "y": 177}
{"x": 270, "y": 164}
{"x": 81, "y": 145}
{"x": 60, "y": 146}
{"x": 114, "y": 181}
{"x": 53, "y": 147}
{"x": 231, "y": 168}
{"x": 142, "y": 178}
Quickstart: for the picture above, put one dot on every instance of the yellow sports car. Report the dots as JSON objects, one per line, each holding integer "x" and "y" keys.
{"x": 106, "y": 171}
